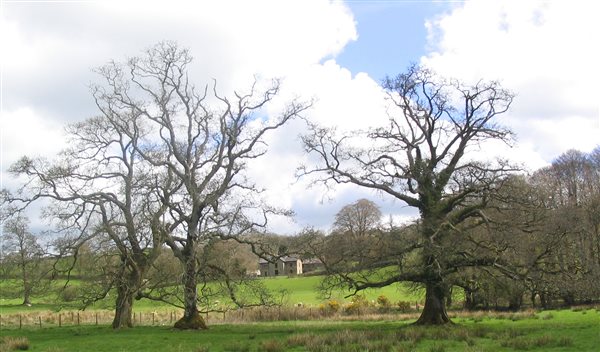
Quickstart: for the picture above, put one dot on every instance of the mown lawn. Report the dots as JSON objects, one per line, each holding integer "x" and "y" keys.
{"x": 564, "y": 330}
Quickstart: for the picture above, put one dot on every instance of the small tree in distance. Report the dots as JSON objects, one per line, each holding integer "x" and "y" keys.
{"x": 358, "y": 218}
{"x": 22, "y": 251}
{"x": 421, "y": 159}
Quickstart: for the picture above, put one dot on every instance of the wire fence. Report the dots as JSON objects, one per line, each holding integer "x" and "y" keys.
{"x": 169, "y": 317}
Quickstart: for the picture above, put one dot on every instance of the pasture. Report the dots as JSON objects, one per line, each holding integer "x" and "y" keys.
{"x": 562, "y": 330}
{"x": 55, "y": 326}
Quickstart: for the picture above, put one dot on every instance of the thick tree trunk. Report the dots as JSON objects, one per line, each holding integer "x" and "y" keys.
{"x": 127, "y": 288}
{"x": 27, "y": 296}
{"x": 434, "y": 312}
{"x": 191, "y": 319}
{"x": 124, "y": 310}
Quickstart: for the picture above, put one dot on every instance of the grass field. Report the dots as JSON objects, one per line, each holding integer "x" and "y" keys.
{"x": 301, "y": 289}
{"x": 565, "y": 330}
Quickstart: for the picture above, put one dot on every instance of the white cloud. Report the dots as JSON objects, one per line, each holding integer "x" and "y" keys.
{"x": 50, "y": 48}
{"x": 547, "y": 52}
{"x": 340, "y": 100}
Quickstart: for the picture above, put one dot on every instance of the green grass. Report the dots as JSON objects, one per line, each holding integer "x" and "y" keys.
{"x": 305, "y": 290}
{"x": 566, "y": 331}
{"x": 301, "y": 289}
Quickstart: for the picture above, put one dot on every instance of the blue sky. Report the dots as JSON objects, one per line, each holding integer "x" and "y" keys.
{"x": 333, "y": 52}
{"x": 391, "y": 35}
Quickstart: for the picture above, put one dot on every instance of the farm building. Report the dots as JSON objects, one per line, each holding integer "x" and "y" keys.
{"x": 288, "y": 266}
{"x": 283, "y": 266}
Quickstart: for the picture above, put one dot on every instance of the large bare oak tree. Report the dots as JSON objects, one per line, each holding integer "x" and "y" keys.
{"x": 422, "y": 159}
{"x": 202, "y": 142}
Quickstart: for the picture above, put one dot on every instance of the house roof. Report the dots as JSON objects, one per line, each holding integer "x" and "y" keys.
{"x": 312, "y": 261}
{"x": 284, "y": 259}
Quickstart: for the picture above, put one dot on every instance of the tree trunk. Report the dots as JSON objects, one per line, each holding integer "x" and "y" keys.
{"x": 434, "y": 312}
{"x": 470, "y": 300}
{"x": 127, "y": 288}
{"x": 27, "y": 296}
{"x": 123, "y": 310}
{"x": 26, "y": 284}
{"x": 191, "y": 319}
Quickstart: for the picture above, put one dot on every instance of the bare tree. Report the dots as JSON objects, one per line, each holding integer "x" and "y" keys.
{"x": 99, "y": 187}
{"x": 421, "y": 159}
{"x": 22, "y": 251}
{"x": 358, "y": 218}
{"x": 202, "y": 141}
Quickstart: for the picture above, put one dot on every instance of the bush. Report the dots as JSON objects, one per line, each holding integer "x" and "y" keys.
{"x": 403, "y": 306}
{"x": 69, "y": 294}
{"x": 383, "y": 302}
{"x": 357, "y": 302}
{"x": 333, "y": 305}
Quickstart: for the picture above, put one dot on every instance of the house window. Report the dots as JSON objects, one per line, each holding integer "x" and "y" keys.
{"x": 276, "y": 272}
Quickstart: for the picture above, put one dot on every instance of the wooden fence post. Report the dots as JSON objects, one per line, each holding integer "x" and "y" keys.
{"x": 153, "y": 318}
{"x": 59, "y": 320}
{"x": 20, "y": 321}
{"x": 96, "y": 318}
{"x": 40, "y": 320}
{"x": 78, "y": 321}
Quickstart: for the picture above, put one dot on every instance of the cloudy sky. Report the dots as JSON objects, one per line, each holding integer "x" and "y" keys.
{"x": 331, "y": 51}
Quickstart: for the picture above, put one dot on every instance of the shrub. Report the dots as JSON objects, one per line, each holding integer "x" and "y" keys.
{"x": 333, "y": 305}
{"x": 358, "y": 302}
{"x": 403, "y": 306}
{"x": 69, "y": 293}
{"x": 383, "y": 301}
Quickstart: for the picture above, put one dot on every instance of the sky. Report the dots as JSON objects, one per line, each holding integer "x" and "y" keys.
{"x": 334, "y": 52}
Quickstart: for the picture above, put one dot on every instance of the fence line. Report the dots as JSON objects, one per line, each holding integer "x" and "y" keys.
{"x": 168, "y": 317}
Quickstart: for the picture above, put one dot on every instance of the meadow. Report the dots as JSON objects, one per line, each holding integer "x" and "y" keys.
{"x": 307, "y": 322}
{"x": 558, "y": 330}
{"x": 301, "y": 290}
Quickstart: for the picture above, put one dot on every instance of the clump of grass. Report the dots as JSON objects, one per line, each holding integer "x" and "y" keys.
{"x": 548, "y": 316}
{"x": 271, "y": 346}
{"x": 410, "y": 334}
{"x": 517, "y": 344}
{"x": 237, "y": 347}
{"x": 299, "y": 340}
{"x": 523, "y": 343}
{"x": 479, "y": 331}
{"x": 9, "y": 343}
{"x": 564, "y": 341}
{"x": 202, "y": 349}
{"x": 438, "y": 348}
